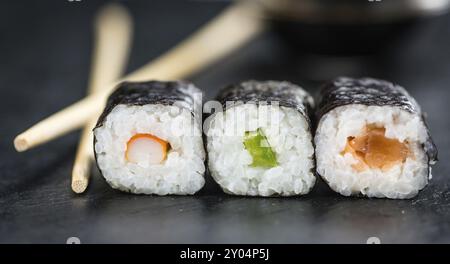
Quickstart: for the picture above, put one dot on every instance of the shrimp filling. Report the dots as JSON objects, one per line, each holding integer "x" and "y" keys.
{"x": 375, "y": 151}
{"x": 146, "y": 149}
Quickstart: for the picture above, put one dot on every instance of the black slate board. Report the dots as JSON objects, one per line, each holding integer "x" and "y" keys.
{"x": 45, "y": 57}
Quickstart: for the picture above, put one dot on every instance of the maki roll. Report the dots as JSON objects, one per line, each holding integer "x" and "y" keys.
{"x": 261, "y": 143}
{"x": 372, "y": 140}
{"x": 148, "y": 139}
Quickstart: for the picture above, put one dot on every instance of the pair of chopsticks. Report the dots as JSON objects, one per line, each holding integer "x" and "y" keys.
{"x": 237, "y": 25}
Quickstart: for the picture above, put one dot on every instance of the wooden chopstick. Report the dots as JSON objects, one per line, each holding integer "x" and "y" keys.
{"x": 237, "y": 25}
{"x": 113, "y": 31}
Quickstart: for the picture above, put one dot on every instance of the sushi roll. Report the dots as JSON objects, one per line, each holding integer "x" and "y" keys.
{"x": 371, "y": 139}
{"x": 261, "y": 143}
{"x": 148, "y": 140}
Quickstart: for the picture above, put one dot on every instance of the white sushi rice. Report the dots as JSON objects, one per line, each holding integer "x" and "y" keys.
{"x": 401, "y": 181}
{"x": 288, "y": 135}
{"x": 181, "y": 172}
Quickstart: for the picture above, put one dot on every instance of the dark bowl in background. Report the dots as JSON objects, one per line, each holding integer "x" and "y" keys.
{"x": 347, "y": 27}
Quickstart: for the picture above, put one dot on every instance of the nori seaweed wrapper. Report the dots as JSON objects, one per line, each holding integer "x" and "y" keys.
{"x": 371, "y": 92}
{"x": 283, "y": 93}
{"x": 182, "y": 94}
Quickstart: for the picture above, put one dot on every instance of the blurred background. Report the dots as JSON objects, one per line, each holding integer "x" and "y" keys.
{"x": 45, "y": 56}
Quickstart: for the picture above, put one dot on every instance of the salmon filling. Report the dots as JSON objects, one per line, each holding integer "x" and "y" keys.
{"x": 146, "y": 148}
{"x": 373, "y": 150}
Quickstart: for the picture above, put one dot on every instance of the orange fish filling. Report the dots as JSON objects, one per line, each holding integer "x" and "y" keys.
{"x": 159, "y": 145}
{"x": 373, "y": 150}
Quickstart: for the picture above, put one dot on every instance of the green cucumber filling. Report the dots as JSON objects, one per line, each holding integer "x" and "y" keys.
{"x": 257, "y": 145}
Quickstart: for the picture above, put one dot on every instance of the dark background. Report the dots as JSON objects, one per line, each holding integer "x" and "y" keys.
{"x": 45, "y": 49}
